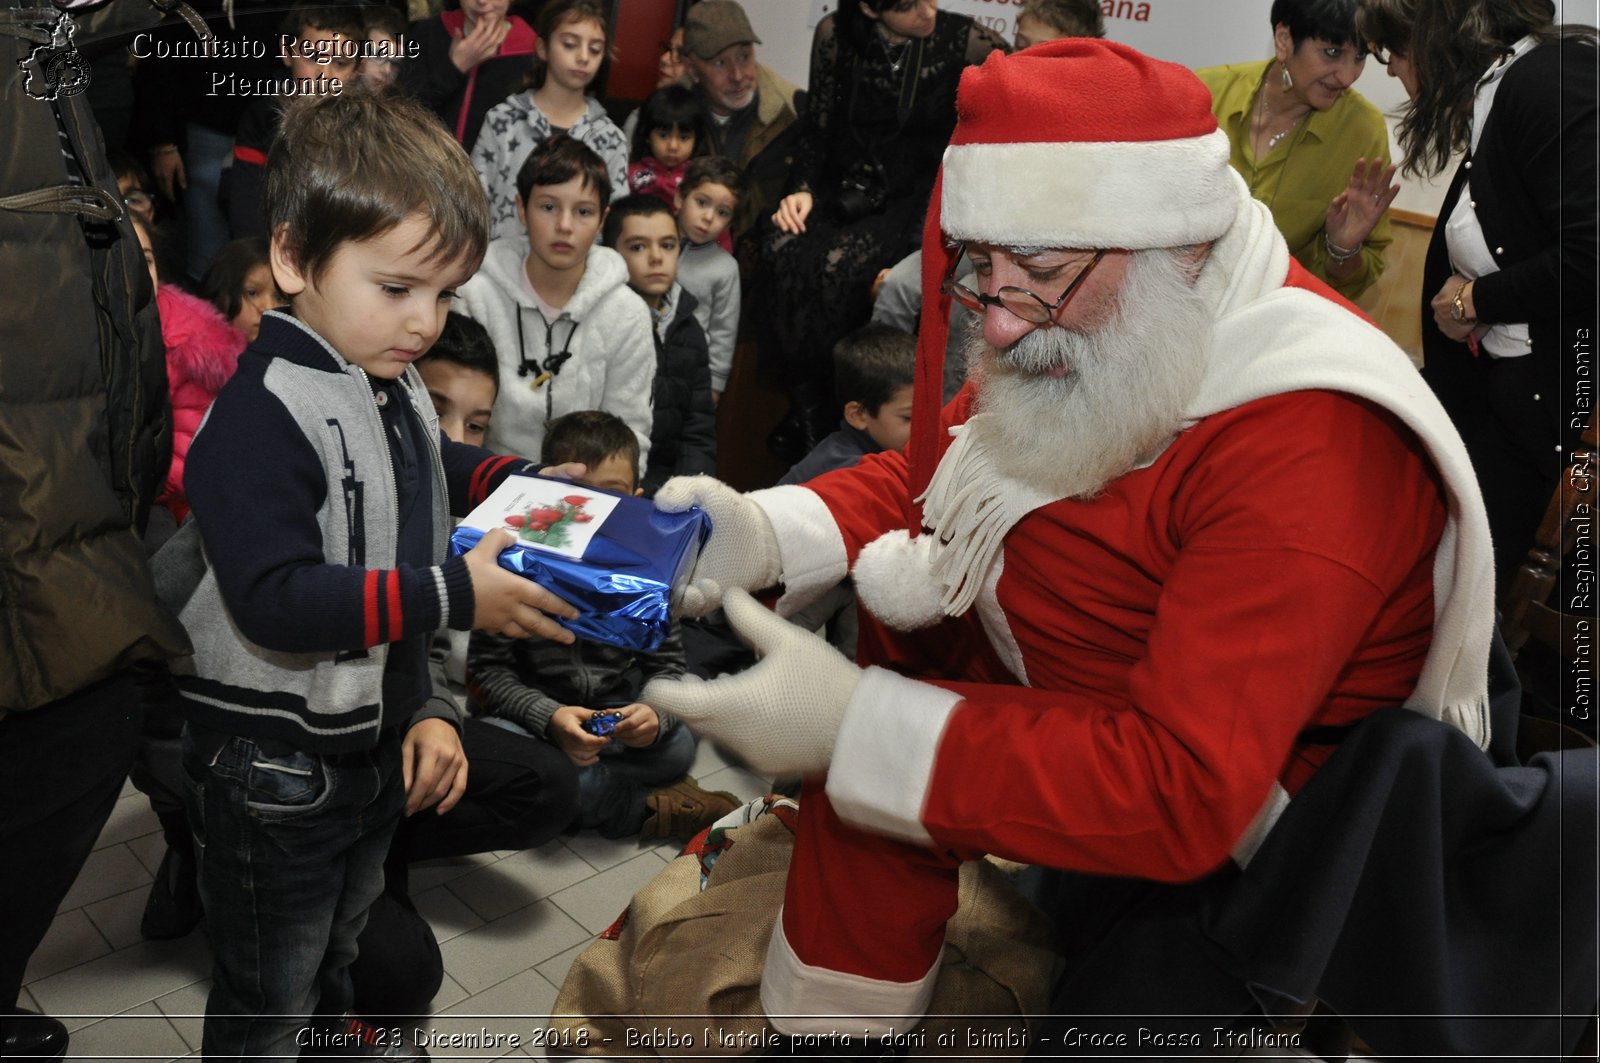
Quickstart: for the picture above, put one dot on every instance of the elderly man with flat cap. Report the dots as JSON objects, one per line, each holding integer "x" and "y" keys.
{"x": 1192, "y": 521}
{"x": 748, "y": 105}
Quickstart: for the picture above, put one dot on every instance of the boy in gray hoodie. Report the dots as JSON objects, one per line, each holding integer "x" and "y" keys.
{"x": 570, "y": 334}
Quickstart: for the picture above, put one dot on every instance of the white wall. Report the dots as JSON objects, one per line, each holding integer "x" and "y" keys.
{"x": 1193, "y": 32}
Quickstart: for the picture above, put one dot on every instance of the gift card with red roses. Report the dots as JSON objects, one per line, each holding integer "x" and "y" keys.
{"x": 546, "y": 514}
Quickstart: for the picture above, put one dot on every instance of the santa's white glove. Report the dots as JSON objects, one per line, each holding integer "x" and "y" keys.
{"x": 783, "y": 715}
{"x": 742, "y": 550}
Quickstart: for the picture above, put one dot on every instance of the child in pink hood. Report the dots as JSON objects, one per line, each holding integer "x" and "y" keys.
{"x": 202, "y": 351}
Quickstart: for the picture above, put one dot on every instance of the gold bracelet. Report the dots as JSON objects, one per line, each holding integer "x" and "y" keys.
{"x": 1458, "y": 309}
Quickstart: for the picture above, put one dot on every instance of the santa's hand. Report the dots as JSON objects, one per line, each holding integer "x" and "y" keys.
{"x": 782, "y": 716}
{"x": 741, "y": 552}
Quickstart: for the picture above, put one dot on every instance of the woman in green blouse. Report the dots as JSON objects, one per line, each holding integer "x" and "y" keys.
{"x": 1309, "y": 146}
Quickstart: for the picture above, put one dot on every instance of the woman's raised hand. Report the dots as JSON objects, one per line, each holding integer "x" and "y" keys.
{"x": 1354, "y": 213}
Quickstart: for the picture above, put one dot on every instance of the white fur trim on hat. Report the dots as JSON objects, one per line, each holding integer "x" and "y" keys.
{"x": 895, "y": 582}
{"x": 1128, "y": 194}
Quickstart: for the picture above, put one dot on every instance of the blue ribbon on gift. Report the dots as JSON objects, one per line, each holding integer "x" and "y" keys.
{"x": 624, "y": 586}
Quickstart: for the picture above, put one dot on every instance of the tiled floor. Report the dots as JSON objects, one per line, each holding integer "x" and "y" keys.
{"x": 509, "y": 925}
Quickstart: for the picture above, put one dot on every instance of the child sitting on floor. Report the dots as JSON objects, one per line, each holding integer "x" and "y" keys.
{"x": 633, "y": 782}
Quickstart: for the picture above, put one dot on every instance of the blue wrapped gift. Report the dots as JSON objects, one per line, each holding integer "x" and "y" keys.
{"x": 619, "y": 560}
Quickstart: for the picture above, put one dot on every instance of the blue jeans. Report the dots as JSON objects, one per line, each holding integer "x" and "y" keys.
{"x": 612, "y": 792}
{"x": 206, "y": 154}
{"x": 290, "y": 848}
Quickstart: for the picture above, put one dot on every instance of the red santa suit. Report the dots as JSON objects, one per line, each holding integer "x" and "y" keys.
{"x": 1131, "y": 684}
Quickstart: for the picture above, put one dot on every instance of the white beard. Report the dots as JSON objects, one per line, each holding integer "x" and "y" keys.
{"x": 1122, "y": 399}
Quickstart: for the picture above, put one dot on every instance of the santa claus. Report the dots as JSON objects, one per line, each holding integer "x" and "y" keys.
{"x": 1190, "y": 519}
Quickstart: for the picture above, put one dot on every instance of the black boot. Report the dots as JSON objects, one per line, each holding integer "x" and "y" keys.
{"x": 26, "y": 1034}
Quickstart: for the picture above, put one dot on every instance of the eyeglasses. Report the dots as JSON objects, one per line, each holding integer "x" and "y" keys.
{"x": 1381, "y": 54}
{"x": 1028, "y": 306}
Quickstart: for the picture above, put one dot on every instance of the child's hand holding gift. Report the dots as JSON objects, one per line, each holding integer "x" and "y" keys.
{"x": 506, "y": 603}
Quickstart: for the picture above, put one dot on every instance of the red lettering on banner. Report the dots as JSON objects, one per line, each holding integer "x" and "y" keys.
{"x": 1125, "y": 9}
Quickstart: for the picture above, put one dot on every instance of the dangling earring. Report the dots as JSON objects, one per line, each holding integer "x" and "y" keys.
{"x": 1288, "y": 82}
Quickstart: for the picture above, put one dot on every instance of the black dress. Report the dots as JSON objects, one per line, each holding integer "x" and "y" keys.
{"x": 1532, "y": 182}
{"x": 880, "y": 117}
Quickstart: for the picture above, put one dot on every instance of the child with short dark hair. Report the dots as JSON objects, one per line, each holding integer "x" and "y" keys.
{"x": 873, "y": 369}
{"x": 321, "y": 47}
{"x": 462, "y": 375}
{"x": 671, "y": 130}
{"x": 707, "y": 199}
{"x": 314, "y": 723}
{"x": 569, "y": 332}
{"x": 133, "y": 184}
{"x": 683, "y": 435}
{"x": 633, "y": 782}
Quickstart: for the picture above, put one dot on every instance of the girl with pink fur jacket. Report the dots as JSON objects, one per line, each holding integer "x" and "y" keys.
{"x": 202, "y": 351}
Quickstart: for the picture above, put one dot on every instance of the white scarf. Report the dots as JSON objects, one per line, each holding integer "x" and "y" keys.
{"x": 1269, "y": 340}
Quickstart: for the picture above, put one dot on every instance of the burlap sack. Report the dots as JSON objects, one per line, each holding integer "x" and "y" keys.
{"x": 678, "y": 974}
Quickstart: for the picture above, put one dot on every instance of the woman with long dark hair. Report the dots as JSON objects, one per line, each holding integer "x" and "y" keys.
{"x": 1509, "y": 314}
{"x": 883, "y": 91}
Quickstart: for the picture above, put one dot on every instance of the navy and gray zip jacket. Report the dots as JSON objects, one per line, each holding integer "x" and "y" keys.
{"x": 306, "y": 588}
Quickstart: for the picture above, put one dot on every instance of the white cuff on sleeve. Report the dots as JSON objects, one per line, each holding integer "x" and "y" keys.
{"x": 801, "y": 999}
{"x": 883, "y": 759}
{"x": 811, "y": 549}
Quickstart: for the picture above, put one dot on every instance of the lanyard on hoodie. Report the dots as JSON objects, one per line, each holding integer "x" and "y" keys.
{"x": 553, "y": 360}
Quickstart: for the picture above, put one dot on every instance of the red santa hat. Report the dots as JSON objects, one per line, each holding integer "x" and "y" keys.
{"x": 1078, "y": 143}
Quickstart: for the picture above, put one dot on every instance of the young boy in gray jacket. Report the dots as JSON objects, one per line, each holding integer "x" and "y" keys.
{"x": 322, "y": 487}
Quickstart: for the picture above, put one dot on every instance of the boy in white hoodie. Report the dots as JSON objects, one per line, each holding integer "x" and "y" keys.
{"x": 569, "y": 332}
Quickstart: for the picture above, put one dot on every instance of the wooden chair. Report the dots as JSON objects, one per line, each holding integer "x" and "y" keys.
{"x": 1567, "y": 628}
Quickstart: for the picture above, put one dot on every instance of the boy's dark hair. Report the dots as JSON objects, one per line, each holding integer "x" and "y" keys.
{"x": 589, "y": 436}
{"x": 560, "y": 159}
{"x": 466, "y": 343}
{"x": 713, "y": 169}
{"x": 223, "y": 284}
{"x": 674, "y": 105}
{"x": 871, "y": 364}
{"x": 383, "y": 18}
{"x": 123, "y": 164}
{"x": 337, "y": 18}
{"x": 557, "y": 13}
{"x": 353, "y": 166}
{"x": 1077, "y": 18}
{"x": 634, "y": 206}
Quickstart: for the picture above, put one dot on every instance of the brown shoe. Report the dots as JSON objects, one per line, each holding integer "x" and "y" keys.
{"x": 683, "y": 810}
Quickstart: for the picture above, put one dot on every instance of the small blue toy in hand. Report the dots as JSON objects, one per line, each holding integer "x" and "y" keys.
{"x": 601, "y": 724}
